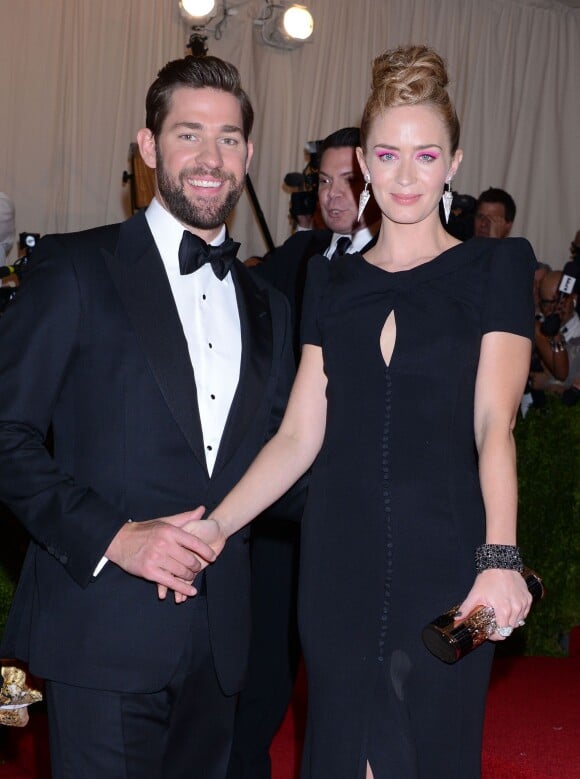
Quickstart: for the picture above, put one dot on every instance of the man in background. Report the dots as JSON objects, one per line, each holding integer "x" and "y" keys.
{"x": 494, "y": 214}
{"x": 557, "y": 337}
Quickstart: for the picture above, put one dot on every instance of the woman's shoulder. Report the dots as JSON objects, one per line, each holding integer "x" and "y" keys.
{"x": 517, "y": 250}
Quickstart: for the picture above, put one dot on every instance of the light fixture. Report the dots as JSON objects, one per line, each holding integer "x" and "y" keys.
{"x": 197, "y": 11}
{"x": 284, "y": 25}
{"x": 200, "y": 13}
{"x": 298, "y": 22}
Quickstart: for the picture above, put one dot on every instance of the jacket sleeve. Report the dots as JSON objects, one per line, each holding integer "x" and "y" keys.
{"x": 39, "y": 339}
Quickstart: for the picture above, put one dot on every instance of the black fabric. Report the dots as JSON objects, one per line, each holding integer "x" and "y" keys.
{"x": 394, "y": 508}
{"x": 169, "y": 733}
{"x": 195, "y": 252}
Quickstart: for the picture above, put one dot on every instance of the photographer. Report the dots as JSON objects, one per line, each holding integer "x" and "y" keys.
{"x": 557, "y": 337}
{"x": 304, "y": 210}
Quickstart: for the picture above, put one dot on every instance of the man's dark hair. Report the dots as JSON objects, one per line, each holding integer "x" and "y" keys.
{"x": 347, "y": 136}
{"x": 494, "y": 195}
{"x": 197, "y": 73}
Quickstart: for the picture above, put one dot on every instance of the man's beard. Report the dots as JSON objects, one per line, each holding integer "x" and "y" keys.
{"x": 205, "y": 215}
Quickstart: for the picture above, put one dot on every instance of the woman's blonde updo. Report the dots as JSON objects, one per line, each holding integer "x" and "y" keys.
{"x": 410, "y": 75}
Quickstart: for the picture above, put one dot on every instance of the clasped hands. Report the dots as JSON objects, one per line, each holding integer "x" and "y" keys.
{"x": 169, "y": 551}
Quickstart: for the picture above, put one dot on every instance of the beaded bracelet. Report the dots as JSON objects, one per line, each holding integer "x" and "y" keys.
{"x": 498, "y": 556}
{"x": 557, "y": 346}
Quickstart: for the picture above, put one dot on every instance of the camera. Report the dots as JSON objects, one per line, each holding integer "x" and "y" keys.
{"x": 551, "y": 325}
{"x": 303, "y": 202}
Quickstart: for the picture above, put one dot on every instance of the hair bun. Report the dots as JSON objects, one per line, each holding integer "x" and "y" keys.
{"x": 409, "y": 74}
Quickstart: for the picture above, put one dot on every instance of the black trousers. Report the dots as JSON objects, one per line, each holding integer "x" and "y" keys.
{"x": 184, "y": 731}
{"x": 274, "y": 650}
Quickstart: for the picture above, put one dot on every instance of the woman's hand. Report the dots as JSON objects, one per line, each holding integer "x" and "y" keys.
{"x": 211, "y": 533}
{"x": 505, "y": 592}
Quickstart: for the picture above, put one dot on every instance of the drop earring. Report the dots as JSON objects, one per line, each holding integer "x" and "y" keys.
{"x": 447, "y": 198}
{"x": 364, "y": 197}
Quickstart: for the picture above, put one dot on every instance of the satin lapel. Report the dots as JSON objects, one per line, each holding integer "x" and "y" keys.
{"x": 256, "y": 331}
{"x": 141, "y": 281}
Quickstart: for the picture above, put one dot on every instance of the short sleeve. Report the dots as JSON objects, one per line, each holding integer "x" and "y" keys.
{"x": 509, "y": 301}
{"x": 316, "y": 283}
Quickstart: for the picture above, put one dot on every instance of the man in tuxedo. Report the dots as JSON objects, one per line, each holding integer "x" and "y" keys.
{"x": 340, "y": 183}
{"x": 162, "y": 366}
{"x": 275, "y": 649}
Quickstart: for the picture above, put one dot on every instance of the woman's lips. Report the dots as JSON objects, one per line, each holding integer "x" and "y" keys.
{"x": 405, "y": 200}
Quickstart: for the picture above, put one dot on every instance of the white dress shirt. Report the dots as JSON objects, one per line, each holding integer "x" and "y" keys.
{"x": 208, "y": 311}
{"x": 359, "y": 241}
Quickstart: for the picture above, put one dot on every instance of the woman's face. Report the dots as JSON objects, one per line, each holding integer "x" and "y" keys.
{"x": 408, "y": 159}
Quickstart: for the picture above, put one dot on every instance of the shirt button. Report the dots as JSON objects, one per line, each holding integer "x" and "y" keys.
{"x": 209, "y": 448}
{"x": 210, "y": 346}
{"x": 203, "y": 297}
{"x": 212, "y": 397}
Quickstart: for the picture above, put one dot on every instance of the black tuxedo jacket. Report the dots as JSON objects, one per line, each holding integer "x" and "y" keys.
{"x": 287, "y": 268}
{"x": 93, "y": 346}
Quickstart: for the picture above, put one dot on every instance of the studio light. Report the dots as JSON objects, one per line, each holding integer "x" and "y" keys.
{"x": 197, "y": 11}
{"x": 298, "y": 22}
{"x": 284, "y": 25}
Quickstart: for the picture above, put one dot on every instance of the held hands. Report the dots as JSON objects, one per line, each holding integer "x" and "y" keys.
{"x": 208, "y": 532}
{"x": 505, "y": 591}
{"x": 163, "y": 551}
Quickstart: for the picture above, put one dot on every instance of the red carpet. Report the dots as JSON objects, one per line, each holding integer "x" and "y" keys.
{"x": 532, "y": 728}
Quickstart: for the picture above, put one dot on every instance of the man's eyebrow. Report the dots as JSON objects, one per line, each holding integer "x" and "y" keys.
{"x": 225, "y": 128}
{"x": 188, "y": 125}
{"x": 340, "y": 173}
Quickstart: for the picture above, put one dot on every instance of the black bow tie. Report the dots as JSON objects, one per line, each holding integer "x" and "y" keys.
{"x": 195, "y": 252}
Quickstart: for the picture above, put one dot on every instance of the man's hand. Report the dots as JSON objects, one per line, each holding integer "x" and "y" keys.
{"x": 162, "y": 551}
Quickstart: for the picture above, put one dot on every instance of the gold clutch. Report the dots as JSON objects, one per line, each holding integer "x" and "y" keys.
{"x": 450, "y": 640}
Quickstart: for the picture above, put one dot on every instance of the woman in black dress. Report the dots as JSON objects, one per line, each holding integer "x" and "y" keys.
{"x": 414, "y": 361}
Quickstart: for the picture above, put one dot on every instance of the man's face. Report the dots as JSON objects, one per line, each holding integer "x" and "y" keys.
{"x": 490, "y": 221}
{"x": 201, "y": 158}
{"x": 340, "y": 182}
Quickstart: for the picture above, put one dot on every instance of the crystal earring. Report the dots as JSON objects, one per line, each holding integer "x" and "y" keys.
{"x": 364, "y": 197}
{"x": 447, "y": 198}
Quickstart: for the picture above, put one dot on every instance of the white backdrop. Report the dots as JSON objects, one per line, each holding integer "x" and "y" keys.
{"x": 74, "y": 73}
